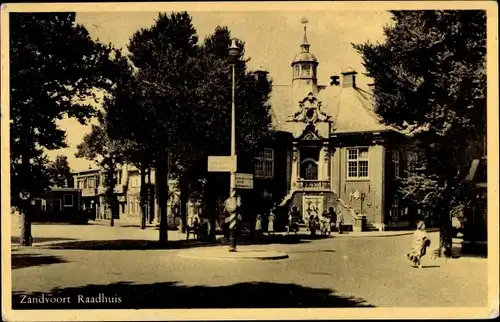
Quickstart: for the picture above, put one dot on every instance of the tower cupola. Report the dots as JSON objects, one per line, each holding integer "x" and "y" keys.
{"x": 304, "y": 66}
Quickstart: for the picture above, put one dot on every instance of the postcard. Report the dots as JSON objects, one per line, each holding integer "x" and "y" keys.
{"x": 249, "y": 160}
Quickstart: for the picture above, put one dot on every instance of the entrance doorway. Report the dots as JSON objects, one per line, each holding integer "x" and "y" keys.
{"x": 309, "y": 157}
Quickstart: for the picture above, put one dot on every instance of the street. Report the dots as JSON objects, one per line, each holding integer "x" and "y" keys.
{"x": 334, "y": 272}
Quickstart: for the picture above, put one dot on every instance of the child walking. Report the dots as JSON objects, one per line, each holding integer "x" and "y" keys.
{"x": 419, "y": 245}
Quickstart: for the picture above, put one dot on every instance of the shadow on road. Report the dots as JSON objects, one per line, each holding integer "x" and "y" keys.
{"x": 175, "y": 295}
{"x": 137, "y": 244}
{"x": 15, "y": 239}
{"x": 28, "y": 260}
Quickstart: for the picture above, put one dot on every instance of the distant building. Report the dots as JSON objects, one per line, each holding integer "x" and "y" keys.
{"x": 127, "y": 189}
{"x": 58, "y": 205}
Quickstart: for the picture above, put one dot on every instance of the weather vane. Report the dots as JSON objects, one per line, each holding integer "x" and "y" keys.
{"x": 304, "y": 21}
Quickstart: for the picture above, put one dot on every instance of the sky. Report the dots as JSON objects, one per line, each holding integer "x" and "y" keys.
{"x": 272, "y": 39}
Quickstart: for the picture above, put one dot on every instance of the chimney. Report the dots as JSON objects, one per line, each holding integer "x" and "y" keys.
{"x": 260, "y": 74}
{"x": 349, "y": 78}
{"x": 334, "y": 80}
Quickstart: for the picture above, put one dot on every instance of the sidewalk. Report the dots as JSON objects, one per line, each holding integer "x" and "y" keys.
{"x": 357, "y": 233}
{"x": 100, "y": 230}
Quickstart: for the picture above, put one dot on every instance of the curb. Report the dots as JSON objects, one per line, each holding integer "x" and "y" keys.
{"x": 344, "y": 235}
{"x": 223, "y": 254}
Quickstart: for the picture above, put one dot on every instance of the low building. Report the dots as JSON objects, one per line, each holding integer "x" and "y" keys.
{"x": 127, "y": 189}
{"x": 58, "y": 205}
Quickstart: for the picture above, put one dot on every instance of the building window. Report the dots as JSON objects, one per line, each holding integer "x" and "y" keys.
{"x": 395, "y": 207}
{"x": 297, "y": 70}
{"x": 68, "y": 200}
{"x": 134, "y": 181}
{"x": 395, "y": 162}
{"x": 307, "y": 70}
{"x": 309, "y": 168}
{"x": 91, "y": 183}
{"x": 264, "y": 164}
{"x": 357, "y": 163}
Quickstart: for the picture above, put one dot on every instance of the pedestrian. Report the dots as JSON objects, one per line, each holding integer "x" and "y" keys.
{"x": 312, "y": 225}
{"x": 419, "y": 245}
{"x": 333, "y": 216}
{"x": 258, "y": 227}
{"x": 270, "y": 223}
{"x": 205, "y": 229}
{"x": 289, "y": 221}
{"x": 340, "y": 221}
{"x": 326, "y": 226}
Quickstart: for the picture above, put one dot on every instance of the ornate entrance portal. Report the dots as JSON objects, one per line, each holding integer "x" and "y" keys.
{"x": 312, "y": 205}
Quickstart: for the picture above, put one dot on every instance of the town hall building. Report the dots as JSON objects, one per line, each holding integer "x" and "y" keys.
{"x": 333, "y": 150}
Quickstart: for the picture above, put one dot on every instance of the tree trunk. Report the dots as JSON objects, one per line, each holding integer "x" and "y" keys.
{"x": 183, "y": 206}
{"x": 26, "y": 239}
{"x": 445, "y": 235}
{"x": 111, "y": 199}
{"x": 143, "y": 196}
{"x": 151, "y": 196}
{"x": 162, "y": 179}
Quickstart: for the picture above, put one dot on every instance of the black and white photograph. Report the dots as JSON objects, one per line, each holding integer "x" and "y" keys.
{"x": 300, "y": 159}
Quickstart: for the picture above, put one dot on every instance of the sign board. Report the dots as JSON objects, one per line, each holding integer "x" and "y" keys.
{"x": 222, "y": 163}
{"x": 24, "y": 195}
{"x": 244, "y": 181}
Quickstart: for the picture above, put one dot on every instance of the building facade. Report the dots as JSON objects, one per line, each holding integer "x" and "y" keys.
{"x": 333, "y": 150}
{"x": 127, "y": 189}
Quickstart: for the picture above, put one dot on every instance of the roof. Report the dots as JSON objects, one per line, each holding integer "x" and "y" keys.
{"x": 86, "y": 171}
{"x": 63, "y": 189}
{"x": 305, "y": 57}
{"x": 350, "y": 108}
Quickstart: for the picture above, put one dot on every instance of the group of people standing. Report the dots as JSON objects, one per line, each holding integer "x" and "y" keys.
{"x": 330, "y": 220}
{"x": 270, "y": 225}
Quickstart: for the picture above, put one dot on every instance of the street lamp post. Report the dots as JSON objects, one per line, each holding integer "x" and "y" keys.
{"x": 234, "y": 51}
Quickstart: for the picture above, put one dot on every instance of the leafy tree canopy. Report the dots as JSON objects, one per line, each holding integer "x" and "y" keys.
{"x": 430, "y": 79}
{"x": 55, "y": 68}
{"x": 60, "y": 172}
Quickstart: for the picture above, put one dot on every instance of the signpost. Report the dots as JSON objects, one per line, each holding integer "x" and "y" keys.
{"x": 244, "y": 181}
{"x": 222, "y": 163}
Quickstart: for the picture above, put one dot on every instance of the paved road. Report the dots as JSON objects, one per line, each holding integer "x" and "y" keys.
{"x": 331, "y": 272}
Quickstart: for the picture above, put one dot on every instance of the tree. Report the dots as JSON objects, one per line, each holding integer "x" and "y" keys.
{"x": 165, "y": 54}
{"x": 430, "y": 79}
{"x": 128, "y": 107}
{"x": 54, "y": 67}
{"x": 210, "y": 116}
{"x": 106, "y": 152}
{"x": 60, "y": 172}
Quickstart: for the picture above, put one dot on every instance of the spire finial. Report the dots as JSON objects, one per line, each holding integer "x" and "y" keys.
{"x": 304, "y": 21}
